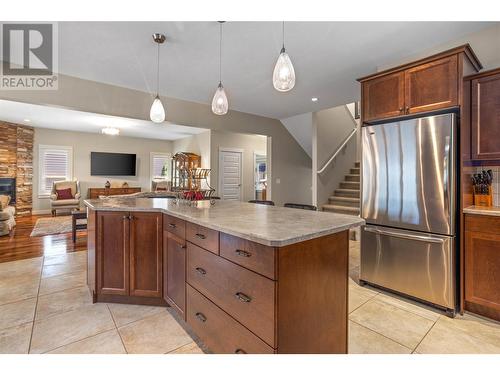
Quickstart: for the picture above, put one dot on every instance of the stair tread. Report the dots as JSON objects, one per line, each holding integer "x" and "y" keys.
{"x": 345, "y": 199}
{"x": 340, "y": 208}
{"x": 345, "y": 190}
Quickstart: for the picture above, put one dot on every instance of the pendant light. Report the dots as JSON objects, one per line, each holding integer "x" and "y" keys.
{"x": 284, "y": 74}
{"x": 220, "y": 105}
{"x": 157, "y": 112}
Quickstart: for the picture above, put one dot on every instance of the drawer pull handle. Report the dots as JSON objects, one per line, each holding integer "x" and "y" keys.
{"x": 172, "y": 225}
{"x": 243, "y": 297}
{"x": 240, "y": 351}
{"x": 202, "y": 236}
{"x": 202, "y": 318}
{"x": 243, "y": 253}
{"x": 126, "y": 217}
{"x": 201, "y": 271}
{"x": 183, "y": 246}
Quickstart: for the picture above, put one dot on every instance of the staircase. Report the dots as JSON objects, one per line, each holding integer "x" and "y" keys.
{"x": 346, "y": 199}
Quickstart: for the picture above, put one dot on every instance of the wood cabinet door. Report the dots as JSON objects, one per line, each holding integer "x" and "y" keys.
{"x": 486, "y": 117}
{"x": 482, "y": 270}
{"x": 176, "y": 272}
{"x": 432, "y": 86}
{"x": 383, "y": 97}
{"x": 146, "y": 276}
{"x": 113, "y": 253}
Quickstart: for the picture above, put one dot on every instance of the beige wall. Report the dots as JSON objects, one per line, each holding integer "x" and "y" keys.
{"x": 83, "y": 144}
{"x": 331, "y": 127}
{"x": 249, "y": 144}
{"x": 291, "y": 166}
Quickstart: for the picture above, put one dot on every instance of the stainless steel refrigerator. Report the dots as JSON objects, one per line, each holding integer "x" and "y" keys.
{"x": 409, "y": 204}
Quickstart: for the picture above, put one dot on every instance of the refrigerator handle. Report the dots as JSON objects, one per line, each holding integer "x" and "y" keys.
{"x": 405, "y": 236}
{"x": 446, "y": 178}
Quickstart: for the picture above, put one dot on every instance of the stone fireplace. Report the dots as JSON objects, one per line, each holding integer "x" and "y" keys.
{"x": 16, "y": 165}
{"x": 8, "y": 187}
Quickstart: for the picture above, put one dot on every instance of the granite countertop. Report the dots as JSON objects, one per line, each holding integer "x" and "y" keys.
{"x": 481, "y": 210}
{"x": 267, "y": 225}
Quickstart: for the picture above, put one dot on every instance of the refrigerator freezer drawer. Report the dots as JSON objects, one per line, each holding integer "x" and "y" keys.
{"x": 417, "y": 264}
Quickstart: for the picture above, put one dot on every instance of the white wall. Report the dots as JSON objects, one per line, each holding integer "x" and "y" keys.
{"x": 300, "y": 127}
{"x": 83, "y": 144}
{"x": 249, "y": 143}
{"x": 485, "y": 43}
{"x": 330, "y": 128}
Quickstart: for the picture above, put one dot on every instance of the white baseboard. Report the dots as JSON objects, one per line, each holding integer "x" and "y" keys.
{"x": 41, "y": 212}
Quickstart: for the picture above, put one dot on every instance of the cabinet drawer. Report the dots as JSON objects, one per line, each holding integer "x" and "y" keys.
{"x": 478, "y": 223}
{"x": 174, "y": 225}
{"x": 204, "y": 237}
{"x": 221, "y": 333}
{"x": 251, "y": 255}
{"x": 243, "y": 294}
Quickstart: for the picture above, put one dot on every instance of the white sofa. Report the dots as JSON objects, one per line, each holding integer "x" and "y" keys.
{"x": 7, "y": 220}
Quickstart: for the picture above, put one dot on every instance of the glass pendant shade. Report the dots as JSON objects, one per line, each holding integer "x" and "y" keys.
{"x": 284, "y": 74}
{"x": 220, "y": 105}
{"x": 157, "y": 113}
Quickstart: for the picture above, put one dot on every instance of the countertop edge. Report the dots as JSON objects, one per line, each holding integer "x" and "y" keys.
{"x": 253, "y": 238}
{"x": 478, "y": 210}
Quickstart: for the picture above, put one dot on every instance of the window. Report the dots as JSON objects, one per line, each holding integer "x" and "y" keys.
{"x": 160, "y": 166}
{"x": 55, "y": 164}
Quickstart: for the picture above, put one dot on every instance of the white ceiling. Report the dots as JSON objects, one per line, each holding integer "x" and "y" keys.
{"x": 64, "y": 119}
{"x": 327, "y": 56}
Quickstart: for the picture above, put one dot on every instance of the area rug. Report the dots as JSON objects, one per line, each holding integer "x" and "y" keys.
{"x": 52, "y": 225}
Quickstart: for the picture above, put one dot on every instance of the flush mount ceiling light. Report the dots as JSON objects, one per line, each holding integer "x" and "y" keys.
{"x": 110, "y": 131}
{"x": 157, "y": 112}
{"x": 314, "y": 99}
{"x": 284, "y": 74}
{"x": 220, "y": 105}
{"x": 27, "y": 120}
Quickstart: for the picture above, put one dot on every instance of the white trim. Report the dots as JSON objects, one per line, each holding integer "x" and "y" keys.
{"x": 41, "y": 212}
{"x": 231, "y": 149}
{"x": 219, "y": 177}
{"x": 255, "y": 153}
{"x": 269, "y": 152}
{"x": 41, "y": 148}
{"x": 153, "y": 154}
{"x": 314, "y": 177}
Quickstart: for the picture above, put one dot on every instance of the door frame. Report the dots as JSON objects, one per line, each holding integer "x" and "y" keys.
{"x": 219, "y": 177}
{"x": 254, "y": 168}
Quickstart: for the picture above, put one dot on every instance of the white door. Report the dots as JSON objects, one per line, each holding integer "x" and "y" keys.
{"x": 230, "y": 174}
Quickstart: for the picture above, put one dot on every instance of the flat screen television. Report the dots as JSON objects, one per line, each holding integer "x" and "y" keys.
{"x": 112, "y": 164}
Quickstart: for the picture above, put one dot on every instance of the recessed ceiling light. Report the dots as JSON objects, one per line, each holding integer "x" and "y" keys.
{"x": 110, "y": 131}
{"x": 314, "y": 99}
{"x": 27, "y": 120}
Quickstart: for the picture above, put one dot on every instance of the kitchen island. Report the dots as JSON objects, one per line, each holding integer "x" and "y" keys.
{"x": 246, "y": 278}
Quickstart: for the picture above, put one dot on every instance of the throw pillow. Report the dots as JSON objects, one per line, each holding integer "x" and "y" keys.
{"x": 4, "y": 201}
{"x": 64, "y": 194}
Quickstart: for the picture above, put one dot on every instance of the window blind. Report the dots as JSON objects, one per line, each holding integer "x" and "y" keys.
{"x": 55, "y": 165}
{"x": 158, "y": 162}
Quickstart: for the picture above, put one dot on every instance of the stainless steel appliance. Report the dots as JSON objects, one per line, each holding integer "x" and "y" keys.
{"x": 409, "y": 203}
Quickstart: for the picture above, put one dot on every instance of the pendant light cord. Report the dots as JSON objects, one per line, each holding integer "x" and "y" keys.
{"x": 220, "y": 53}
{"x": 283, "y": 30}
{"x": 158, "y": 71}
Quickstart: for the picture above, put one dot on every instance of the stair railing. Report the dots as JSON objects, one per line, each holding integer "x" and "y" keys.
{"x": 337, "y": 151}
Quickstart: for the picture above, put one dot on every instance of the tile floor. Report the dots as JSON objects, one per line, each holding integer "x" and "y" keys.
{"x": 45, "y": 307}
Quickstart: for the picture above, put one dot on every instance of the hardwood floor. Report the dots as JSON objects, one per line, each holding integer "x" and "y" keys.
{"x": 19, "y": 244}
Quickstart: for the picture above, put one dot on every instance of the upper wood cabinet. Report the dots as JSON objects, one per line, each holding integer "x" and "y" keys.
{"x": 384, "y": 97}
{"x": 426, "y": 85}
{"x": 432, "y": 86}
{"x": 485, "y": 115}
